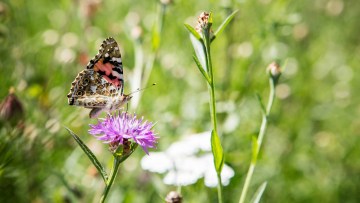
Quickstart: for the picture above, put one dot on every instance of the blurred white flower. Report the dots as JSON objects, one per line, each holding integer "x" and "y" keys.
{"x": 186, "y": 161}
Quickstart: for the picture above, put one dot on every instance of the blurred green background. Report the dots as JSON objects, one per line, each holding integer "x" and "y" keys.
{"x": 310, "y": 151}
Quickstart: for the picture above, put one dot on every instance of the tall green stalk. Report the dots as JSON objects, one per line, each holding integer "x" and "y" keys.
{"x": 273, "y": 77}
{"x": 212, "y": 104}
{"x": 201, "y": 38}
{"x": 110, "y": 180}
{"x": 118, "y": 159}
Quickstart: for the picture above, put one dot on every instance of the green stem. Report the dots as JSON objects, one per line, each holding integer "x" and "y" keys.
{"x": 219, "y": 188}
{"x": 212, "y": 105}
{"x": 110, "y": 181}
{"x": 211, "y": 85}
{"x": 152, "y": 57}
{"x": 259, "y": 141}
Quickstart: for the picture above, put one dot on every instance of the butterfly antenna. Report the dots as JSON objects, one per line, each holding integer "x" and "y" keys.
{"x": 139, "y": 90}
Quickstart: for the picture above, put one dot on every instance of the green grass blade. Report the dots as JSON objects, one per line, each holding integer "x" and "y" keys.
{"x": 262, "y": 106}
{"x": 91, "y": 156}
{"x": 255, "y": 149}
{"x": 224, "y": 24}
{"x": 155, "y": 40}
{"x": 258, "y": 194}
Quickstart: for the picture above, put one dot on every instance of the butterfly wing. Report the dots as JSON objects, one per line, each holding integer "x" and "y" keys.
{"x": 100, "y": 86}
{"x": 91, "y": 90}
{"x": 108, "y": 63}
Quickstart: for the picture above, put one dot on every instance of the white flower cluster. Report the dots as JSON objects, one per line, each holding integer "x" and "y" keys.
{"x": 186, "y": 161}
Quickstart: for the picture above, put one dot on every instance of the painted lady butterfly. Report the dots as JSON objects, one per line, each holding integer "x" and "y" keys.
{"x": 100, "y": 86}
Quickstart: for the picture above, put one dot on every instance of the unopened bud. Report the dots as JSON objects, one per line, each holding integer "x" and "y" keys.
{"x": 204, "y": 23}
{"x": 274, "y": 71}
{"x": 11, "y": 109}
{"x": 173, "y": 197}
{"x": 166, "y": 2}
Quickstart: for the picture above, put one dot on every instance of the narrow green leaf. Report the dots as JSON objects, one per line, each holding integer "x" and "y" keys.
{"x": 155, "y": 41}
{"x": 199, "y": 49}
{"x": 193, "y": 31}
{"x": 91, "y": 156}
{"x": 259, "y": 192}
{"x": 210, "y": 20}
{"x": 255, "y": 149}
{"x": 217, "y": 151}
{"x": 201, "y": 69}
{"x": 224, "y": 24}
{"x": 262, "y": 107}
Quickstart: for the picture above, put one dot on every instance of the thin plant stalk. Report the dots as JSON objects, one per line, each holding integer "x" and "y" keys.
{"x": 212, "y": 103}
{"x": 143, "y": 70}
{"x": 259, "y": 140}
{"x": 111, "y": 179}
{"x": 201, "y": 37}
{"x": 155, "y": 48}
{"x": 116, "y": 163}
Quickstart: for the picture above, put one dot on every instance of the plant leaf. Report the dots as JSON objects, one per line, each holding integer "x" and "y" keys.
{"x": 199, "y": 48}
{"x": 263, "y": 110}
{"x": 258, "y": 194}
{"x": 193, "y": 31}
{"x": 155, "y": 41}
{"x": 224, "y": 24}
{"x": 91, "y": 156}
{"x": 255, "y": 149}
{"x": 217, "y": 151}
{"x": 201, "y": 69}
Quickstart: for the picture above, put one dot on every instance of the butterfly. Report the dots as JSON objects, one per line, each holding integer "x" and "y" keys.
{"x": 100, "y": 86}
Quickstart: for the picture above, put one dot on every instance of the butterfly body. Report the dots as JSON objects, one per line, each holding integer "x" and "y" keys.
{"x": 100, "y": 86}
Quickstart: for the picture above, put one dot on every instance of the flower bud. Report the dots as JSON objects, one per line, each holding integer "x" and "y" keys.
{"x": 166, "y": 2}
{"x": 274, "y": 71}
{"x": 204, "y": 24}
{"x": 173, "y": 197}
{"x": 11, "y": 109}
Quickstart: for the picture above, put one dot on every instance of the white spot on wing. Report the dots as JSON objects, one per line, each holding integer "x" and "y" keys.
{"x": 93, "y": 88}
{"x": 103, "y": 81}
{"x": 116, "y": 74}
{"x": 116, "y": 59}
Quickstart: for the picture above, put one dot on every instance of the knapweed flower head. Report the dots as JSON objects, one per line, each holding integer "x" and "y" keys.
{"x": 123, "y": 129}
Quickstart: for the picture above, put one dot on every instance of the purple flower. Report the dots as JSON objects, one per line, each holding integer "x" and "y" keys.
{"x": 120, "y": 128}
